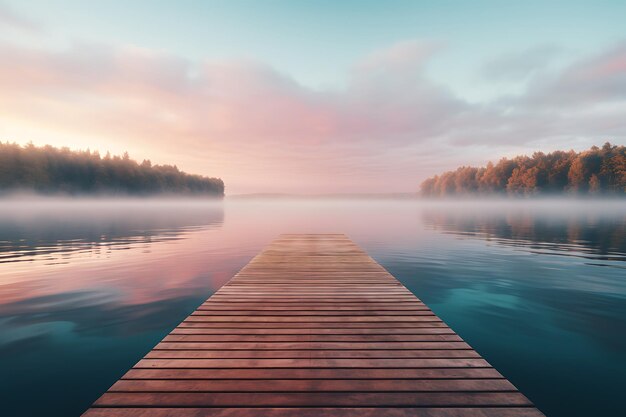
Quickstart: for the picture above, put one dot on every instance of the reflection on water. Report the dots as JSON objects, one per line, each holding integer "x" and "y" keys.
{"x": 590, "y": 235}
{"x": 55, "y": 231}
{"x": 86, "y": 288}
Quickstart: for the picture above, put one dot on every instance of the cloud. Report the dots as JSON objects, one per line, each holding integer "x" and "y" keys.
{"x": 405, "y": 58}
{"x": 577, "y": 106}
{"x": 261, "y": 130}
{"x": 246, "y": 100}
{"x": 597, "y": 80}
{"x": 9, "y": 19}
{"x": 520, "y": 65}
{"x": 390, "y": 94}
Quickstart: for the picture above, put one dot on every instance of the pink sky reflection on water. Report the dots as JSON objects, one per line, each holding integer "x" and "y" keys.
{"x": 133, "y": 269}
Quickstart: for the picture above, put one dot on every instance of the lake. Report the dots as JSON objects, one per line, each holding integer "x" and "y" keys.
{"x": 536, "y": 287}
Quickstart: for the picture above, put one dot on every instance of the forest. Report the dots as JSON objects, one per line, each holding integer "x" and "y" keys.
{"x": 591, "y": 172}
{"x": 50, "y": 170}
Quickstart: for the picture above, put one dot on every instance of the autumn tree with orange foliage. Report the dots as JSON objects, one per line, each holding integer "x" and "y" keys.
{"x": 594, "y": 171}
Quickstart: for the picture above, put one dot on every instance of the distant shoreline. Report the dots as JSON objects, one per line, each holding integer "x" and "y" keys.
{"x": 598, "y": 171}
{"x": 356, "y": 196}
{"x": 30, "y": 196}
{"x": 47, "y": 170}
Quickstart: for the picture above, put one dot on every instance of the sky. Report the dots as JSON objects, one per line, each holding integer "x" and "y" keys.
{"x": 314, "y": 96}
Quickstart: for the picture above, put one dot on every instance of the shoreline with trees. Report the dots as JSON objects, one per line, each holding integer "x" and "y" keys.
{"x": 47, "y": 170}
{"x": 596, "y": 171}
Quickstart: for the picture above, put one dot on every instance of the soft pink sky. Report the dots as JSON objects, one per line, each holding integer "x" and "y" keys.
{"x": 386, "y": 127}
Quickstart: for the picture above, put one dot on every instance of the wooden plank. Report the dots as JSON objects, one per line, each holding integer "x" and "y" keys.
{"x": 420, "y": 333}
{"x": 338, "y": 324}
{"x": 299, "y": 385}
{"x": 314, "y": 412}
{"x": 310, "y": 354}
{"x": 312, "y": 363}
{"x": 315, "y": 334}
{"x": 312, "y": 319}
{"x": 317, "y": 398}
{"x": 315, "y": 373}
{"x": 313, "y": 345}
{"x": 312, "y": 327}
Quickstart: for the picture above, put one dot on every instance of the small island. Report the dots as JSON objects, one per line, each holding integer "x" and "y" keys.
{"x": 596, "y": 171}
{"x": 60, "y": 171}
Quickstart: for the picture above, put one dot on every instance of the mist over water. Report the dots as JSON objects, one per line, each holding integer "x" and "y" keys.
{"x": 87, "y": 287}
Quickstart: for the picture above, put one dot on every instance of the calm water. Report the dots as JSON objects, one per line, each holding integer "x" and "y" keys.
{"x": 87, "y": 288}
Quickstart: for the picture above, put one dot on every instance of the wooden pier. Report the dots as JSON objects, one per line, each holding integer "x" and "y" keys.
{"x": 312, "y": 327}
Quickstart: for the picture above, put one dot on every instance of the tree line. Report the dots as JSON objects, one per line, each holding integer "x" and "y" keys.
{"x": 594, "y": 171}
{"x": 51, "y": 170}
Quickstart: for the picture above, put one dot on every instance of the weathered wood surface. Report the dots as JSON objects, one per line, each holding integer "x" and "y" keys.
{"x": 312, "y": 327}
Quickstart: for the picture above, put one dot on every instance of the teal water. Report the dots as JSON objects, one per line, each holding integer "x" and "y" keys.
{"x": 536, "y": 287}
